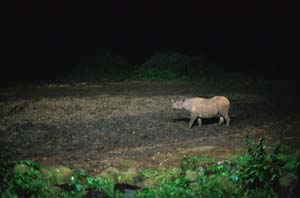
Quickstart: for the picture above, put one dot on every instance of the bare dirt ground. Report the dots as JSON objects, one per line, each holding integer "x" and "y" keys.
{"x": 96, "y": 125}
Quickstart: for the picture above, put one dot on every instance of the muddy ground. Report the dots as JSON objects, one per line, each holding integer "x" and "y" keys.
{"x": 97, "y": 125}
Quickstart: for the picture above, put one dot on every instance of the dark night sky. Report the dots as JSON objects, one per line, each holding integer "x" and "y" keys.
{"x": 44, "y": 34}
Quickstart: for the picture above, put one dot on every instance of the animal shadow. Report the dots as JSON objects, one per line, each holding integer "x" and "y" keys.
{"x": 206, "y": 121}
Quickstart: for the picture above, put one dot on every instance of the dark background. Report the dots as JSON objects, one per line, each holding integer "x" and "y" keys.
{"x": 45, "y": 38}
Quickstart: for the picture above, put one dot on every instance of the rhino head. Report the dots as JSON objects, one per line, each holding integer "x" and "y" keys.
{"x": 178, "y": 104}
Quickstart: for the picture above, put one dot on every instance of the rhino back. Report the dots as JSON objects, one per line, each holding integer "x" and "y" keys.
{"x": 211, "y": 107}
{"x": 207, "y": 107}
{"x": 191, "y": 103}
{"x": 223, "y": 100}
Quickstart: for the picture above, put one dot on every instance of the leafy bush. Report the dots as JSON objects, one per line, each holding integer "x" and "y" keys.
{"x": 22, "y": 179}
{"x": 290, "y": 179}
{"x": 101, "y": 184}
{"x": 144, "y": 73}
{"x": 210, "y": 182}
{"x": 262, "y": 170}
{"x": 26, "y": 179}
{"x": 256, "y": 174}
{"x": 164, "y": 67}
{"x": 81, "y": 183}
{"x": 169, "y": 188}
{"x": 172, "y": 61}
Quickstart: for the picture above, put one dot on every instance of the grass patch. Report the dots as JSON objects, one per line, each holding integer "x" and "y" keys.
{"x": 256, "y": 174}
{"x": 28, "y": 179}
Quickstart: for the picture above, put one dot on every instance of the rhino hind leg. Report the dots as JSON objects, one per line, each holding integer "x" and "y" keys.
{"x": 227, "y": 118}
{"x": 192, "y": 120}
{"x": 221, "y": 119}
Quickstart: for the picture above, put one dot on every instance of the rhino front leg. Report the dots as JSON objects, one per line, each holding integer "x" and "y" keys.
{"x": 221, "y": 120}
{"x": 192, "y": 120}
{"x": 199, "y": 121}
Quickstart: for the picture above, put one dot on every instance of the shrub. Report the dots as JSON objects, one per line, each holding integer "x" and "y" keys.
{"x": 262, "y": 170}
{"x": 164, "y": 67}
{"x": 256, "y": 174}
{"x": 170, "y": 61}
{"x": 25, "y": 178}
{"x": 212, "y": 181}
{"x": 144, "y": 73}
{"x": 22, "y": 179}
{"x": 81, "y": 184}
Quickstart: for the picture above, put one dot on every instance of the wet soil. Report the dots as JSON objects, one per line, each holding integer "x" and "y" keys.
{"x": 96, "y": 125}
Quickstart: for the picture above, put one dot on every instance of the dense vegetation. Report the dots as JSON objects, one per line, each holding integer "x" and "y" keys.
{"x": 161, "y": 66}
{"x": 256, "y": 174}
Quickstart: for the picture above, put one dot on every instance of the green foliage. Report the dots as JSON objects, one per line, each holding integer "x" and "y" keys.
{"x": 164, "y": 67}
{"x": 290, "y": 179}
{"x": 81, "y": 182}
{"x": 213, "y": 181}
{"x": 22, "y": 179}
{"x": 100, "y": 183}
{"x": 262, "y": 170}
{"x": 218, "y": 184}
{"x": 107, "y": 65}
{"x": 77, "y": 181}
{"x": 157, "y": 74}
{"x": 191, "y": 163}
{"x": 257, "y": 174}
{"x": 168, "y": 188}
{"x": 25, "y": 179}
{"x": 169, "y": 61}
{"x": 161, "y": 175}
